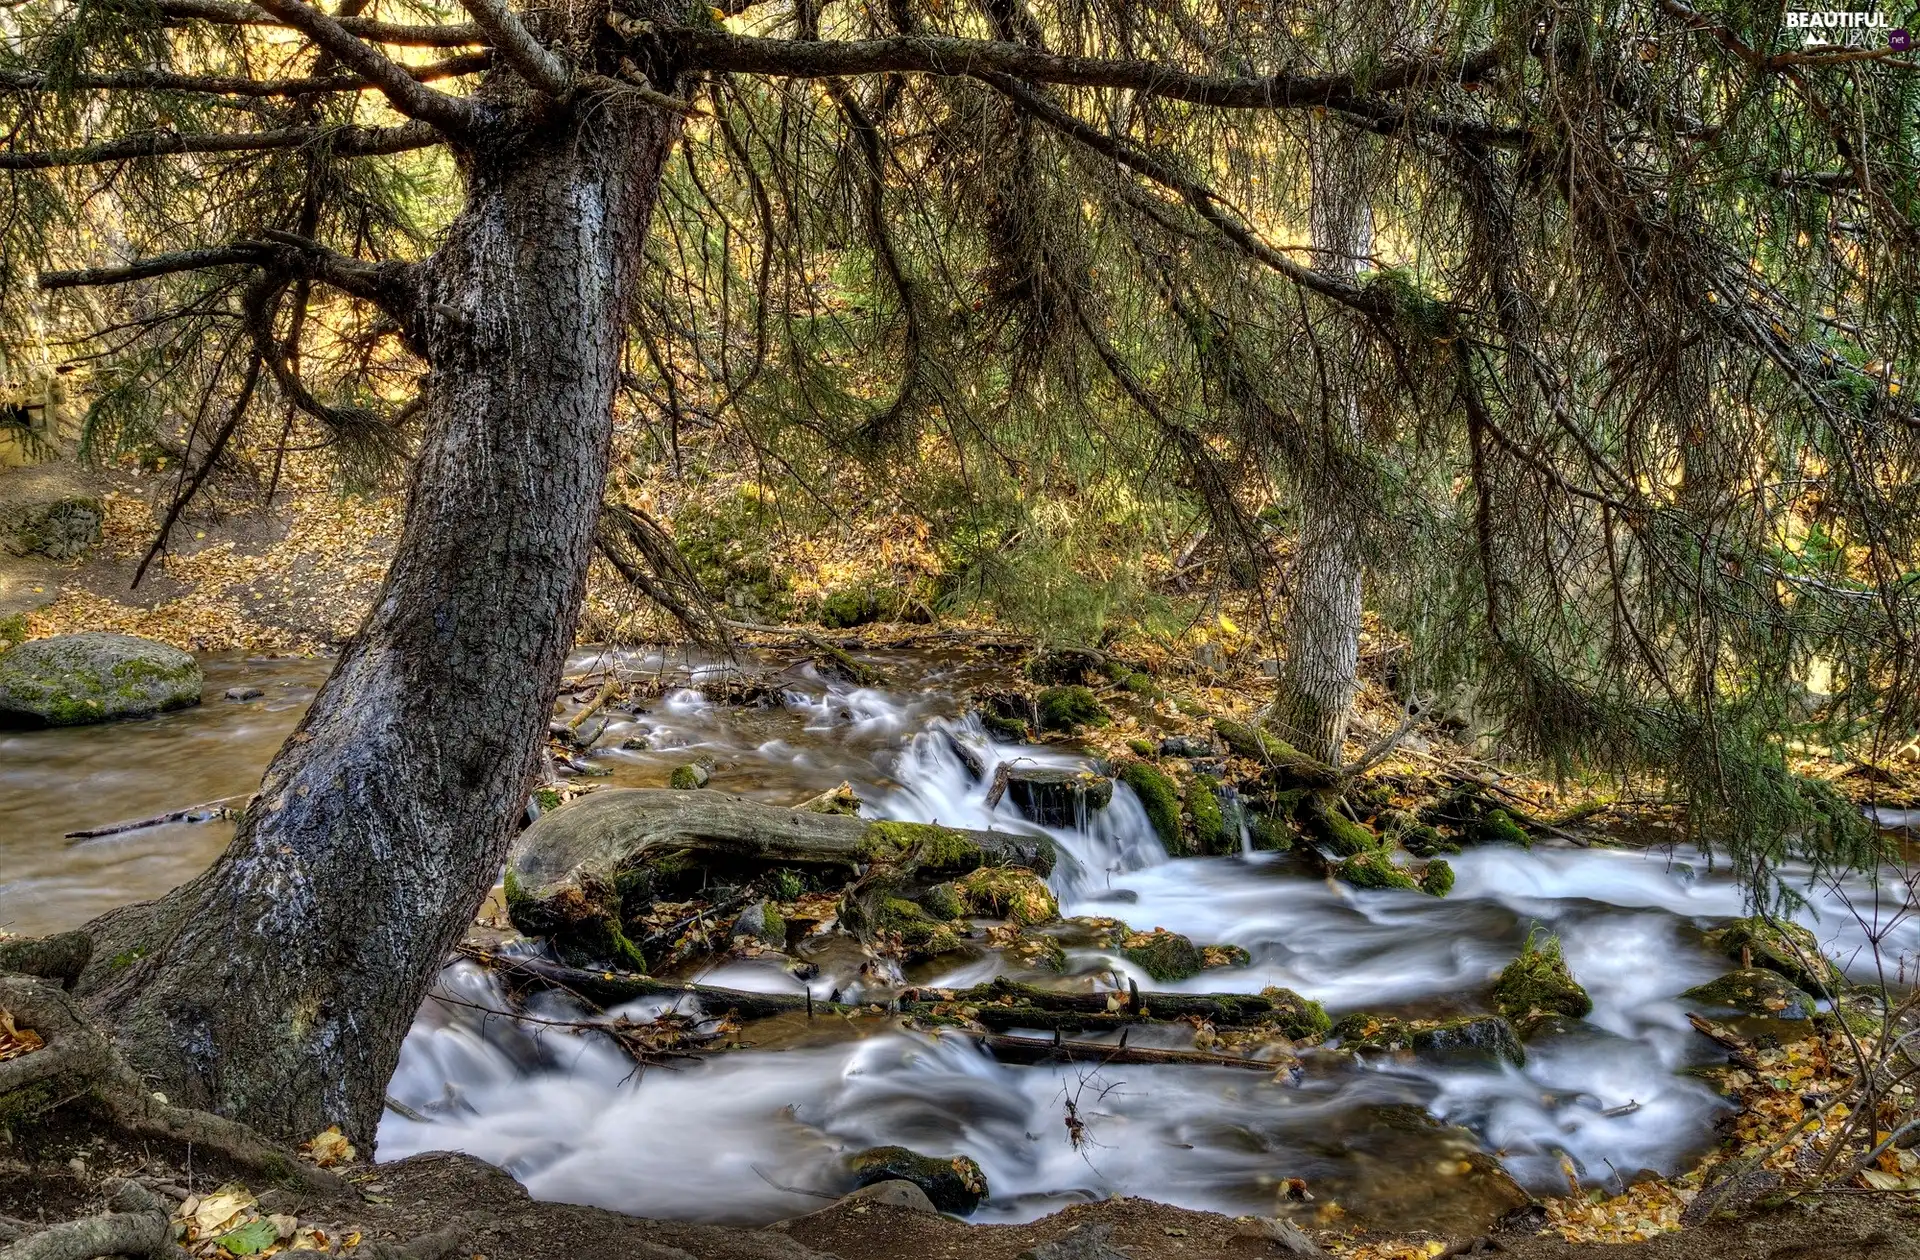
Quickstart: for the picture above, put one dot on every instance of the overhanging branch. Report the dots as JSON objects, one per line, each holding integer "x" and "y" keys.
{"x": 340, "y": 141}
{"x": 233, "y": 85}
{"x": 535, "y": 61}
{"x": 451, "y": 114}
{"x": 232, "y": 13}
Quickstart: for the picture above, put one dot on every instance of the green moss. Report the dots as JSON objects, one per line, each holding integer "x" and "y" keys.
{"x": 685, "y": 778}
{"x": 1141, "y": 747}
{"x": 1270, "y": 834}
{"x": 1373, "y": 870}
{"x": 931, "y": 846}
{"x": 1498, "y": 827}
{"x": 1424, "y": 841}
{"x": 1787, "y": 948}
{"x": 1005, "y": 892}
{"x": 126, "y": 958}
{"x": 547, "y": 798}
{"x": 12, "y": 630}
{"x": 1209, "y": 821}
{"x": 1757, "y": 992}
{"x": 1323, "y": 821}
{"x": 514, "y": 895}
{"x": 922, "y": 934}
{"x": 856, "y": 606}
{"x": 1539, "y": 981}
{"x": 1253, "y": 743}
{"x": 1164, "y": 955}
{"x": 1161, "y": 801}
{"x": 1067, "y": 709}
{"x": 943, "y": 901}
{"x": 1011, "y": 730}
{"x": 1297, "y": 1017}
{"x": 1437, "y": 879}
{"x": 954, "y": 1185}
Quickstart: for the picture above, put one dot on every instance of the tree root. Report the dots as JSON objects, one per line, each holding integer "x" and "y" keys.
{"x": 138, "y": 1225}
{"x": 77, "y": 1062}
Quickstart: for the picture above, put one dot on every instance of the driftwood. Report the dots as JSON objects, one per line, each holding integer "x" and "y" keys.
{"x": 205, "y": 812}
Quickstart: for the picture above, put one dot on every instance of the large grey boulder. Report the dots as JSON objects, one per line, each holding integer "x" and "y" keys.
{"x": 74, "y": 679}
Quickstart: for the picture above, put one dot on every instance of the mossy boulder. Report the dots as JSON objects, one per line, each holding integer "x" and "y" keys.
{"x": 1004, "y": 892}
{"x": 1474, "y": 1038}
{"x": 919, "y": 934}
{"x": 1300, "y": 1018}
{"x": 1754, "y": 991}
{"x": 76, "y": 679}
{"x": 1212, "y": 956}
{"x": 954, "y": 1183}
{"x": 1498, "y": 827}
{"x": 1067, "y": 709}
{"x": 1055, "y": 797}
{"x": 928, "y": 846}
{"x": 1787, "y": 948}
{"x": 852, "y": 606}
{"x": 761, "y": 922}
{"x": 1038, "y": 950}
{"x": 1538, "y": 982}
{"x": 1332, "y": 831}
{"x": 1209, "y": 821}
{"x": 943, "y": 901}
{"x": 1163, "y": 955}
{"x": 1161, "y": 800}
{"x": 1437, "y": 879}
{"x": 689, "y": 777}
{"x": 1374, "y": 871}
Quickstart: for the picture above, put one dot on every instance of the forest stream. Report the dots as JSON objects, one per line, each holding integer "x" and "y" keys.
{"x": 751, "y": 1135}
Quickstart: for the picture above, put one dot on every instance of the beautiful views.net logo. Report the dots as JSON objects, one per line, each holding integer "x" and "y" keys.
{"x": 1848, "y": 29}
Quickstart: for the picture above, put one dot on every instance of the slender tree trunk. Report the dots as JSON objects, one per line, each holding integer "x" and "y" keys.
{"x": 1320, "y": 674}
{"x": 277, "y": 987}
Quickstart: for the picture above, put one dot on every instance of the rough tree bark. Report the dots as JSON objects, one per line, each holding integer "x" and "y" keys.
{"x": 1320, "y": 672}
{"x": 277, "y": 987}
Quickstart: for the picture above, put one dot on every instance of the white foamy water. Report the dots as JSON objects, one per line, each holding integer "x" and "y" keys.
{"x": 732, "y": 1136}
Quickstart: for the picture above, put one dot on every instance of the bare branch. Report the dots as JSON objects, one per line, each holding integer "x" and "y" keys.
{"x": 708, "y": 49}
{"x": 232, "y": 13}
{"x": 234, "y": 85}
{"x": 341, "y": 141}
{"x": 535, "y": 61}
{"x": 451, "y": 114}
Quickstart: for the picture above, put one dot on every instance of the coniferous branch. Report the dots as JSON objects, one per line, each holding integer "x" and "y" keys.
{"x": 534, "y": 60}
{"x": 234, "y": 13}
{"x": 453, "y": 115}
{"x": 348, "y": 141}
{"x": 231, "y": 85}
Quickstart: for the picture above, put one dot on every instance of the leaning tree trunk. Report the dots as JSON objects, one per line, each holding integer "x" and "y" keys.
{"x": 1320, "y": 672}
{"x": 277, "y": 987}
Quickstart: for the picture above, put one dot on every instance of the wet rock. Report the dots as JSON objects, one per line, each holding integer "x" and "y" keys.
{"x": 969, "y": 760}
{"x": 1212, "y": 956}
{"x": 1756, "y": 992}
{"x": 1054, "y": 797}
{"x": 894, "y": 1193}
{"x": 1067, "y": 709}
{"x": 919, "y": 935}
{"x": 689, "y": 777}
{"x": 1186, "y": 746}
{"x": 761, "y": 922}
{"x": 1300, "y": 1018}
{"x": 1787, "y": 948}
{"x": 76, "y": 679}
{"x": 953, "y": 1184}
{"x": 1538, "y": 982}
{"x": 1003, "y": 892}
{"x": 1481, "y": 1039}
{"x": 943, "y": 901}
{"x": 1207, "y": 815}
{"x": 1163, "y": 955}
{"x": 1489, "y": 1039}
{"x": 1008, "y": 716}
{"x": 244, "y": 693}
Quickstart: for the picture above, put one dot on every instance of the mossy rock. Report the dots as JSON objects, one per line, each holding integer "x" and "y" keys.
{"x": 1270, "y": 834}
{"x": 689, "y": 777}
{"x": 1498, "y": 827}
{"x": 852, "y": 606}
{"x": 1008, "y": 715}
{"x": 1300, "y": 1018}
{"x": 1038, "y": 950}
{"x": 761, "y": 922}
{"x": 1161, "y": 800}
{"x": 1755, "y": 991}
{"x": 1008, "y": 730}
{"x": 1332, "y": 830}
{"x": 1787, "y": 948}
{"x": 921, "y": 936}
{"x": 1253, "y": 743}
{"x": 1067, "y": 709}
{"x": 1437, "y": 879}
{"x": 1005, "y": 892}
{"x": 1474, "y": 1038}
{"x": 1209, "y": 822}
{"x": 77, "y": 679}
{"x": 1374, "y": 871}
{"x": 943, "y": 901}
{"x": 954, "y": 1183}
{"x": 1538, "y": 982}
{"x": 1141, "y": 747}
{"x": 1164, "y": 955}
{"x": 1212, "y": 956}
{"x": 1096, "y": 932}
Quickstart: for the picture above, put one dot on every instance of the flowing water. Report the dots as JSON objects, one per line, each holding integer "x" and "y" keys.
{"x": 751, "y": 1135}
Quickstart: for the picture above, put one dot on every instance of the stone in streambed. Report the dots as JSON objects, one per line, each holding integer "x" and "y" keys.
{"x": 1481, "y": 1039}
{"x": 1754, "y": 991}
{"x": 77, "y": 679}
{"x": 1538, "y": 982}
{"x": 689, "y": 777}
{"x": 1787, "y": 948}
{"x": 244, "y": 693}
{"x": 953, "y": 1184}
{"x": 1163, "y": 955}
{"x": 762, "y": 922}
{"x": 1054, "y": 797}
